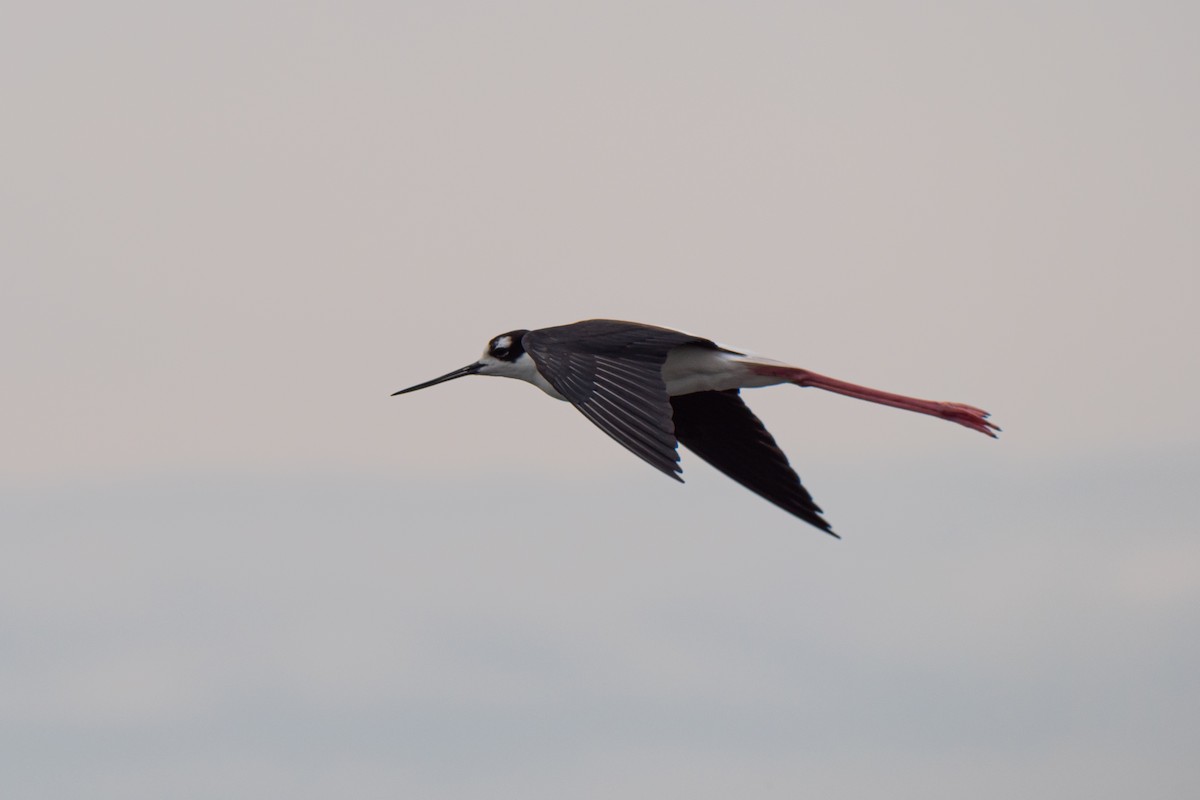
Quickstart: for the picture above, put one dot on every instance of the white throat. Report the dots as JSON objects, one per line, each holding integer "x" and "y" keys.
{"x": 522, "y": 369}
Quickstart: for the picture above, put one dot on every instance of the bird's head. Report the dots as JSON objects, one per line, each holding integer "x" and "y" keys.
{"x": 502, "y": 354}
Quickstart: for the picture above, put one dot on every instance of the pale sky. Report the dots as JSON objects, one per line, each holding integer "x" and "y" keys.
{"x": 233, "y": 566}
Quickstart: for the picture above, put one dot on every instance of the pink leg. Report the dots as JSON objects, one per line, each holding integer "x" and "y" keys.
{"x": 971, "y": 417}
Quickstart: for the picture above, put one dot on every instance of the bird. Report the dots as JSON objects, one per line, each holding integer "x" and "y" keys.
{"x": 652, "y": 389}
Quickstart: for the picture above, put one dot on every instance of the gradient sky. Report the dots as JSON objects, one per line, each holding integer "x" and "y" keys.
{"x": 233, "y": 566}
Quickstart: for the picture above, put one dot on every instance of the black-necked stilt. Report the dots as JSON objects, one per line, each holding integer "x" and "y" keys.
{"x": 652, "y": 388}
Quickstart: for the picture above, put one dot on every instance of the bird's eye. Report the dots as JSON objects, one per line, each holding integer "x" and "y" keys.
{"x": 500, "y": 352}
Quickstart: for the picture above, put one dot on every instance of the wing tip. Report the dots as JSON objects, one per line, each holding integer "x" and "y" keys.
{"x": 818, "y": 522}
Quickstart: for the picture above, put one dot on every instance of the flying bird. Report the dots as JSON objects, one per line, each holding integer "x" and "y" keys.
{"x": 653, "y": 389}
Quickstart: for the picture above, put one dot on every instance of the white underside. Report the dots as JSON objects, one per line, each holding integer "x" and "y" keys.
{"x": 688, "y": 369}
{"x": 691, "y": 368}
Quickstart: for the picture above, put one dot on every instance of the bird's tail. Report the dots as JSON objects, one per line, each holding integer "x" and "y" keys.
{"x": 969, "y": 416}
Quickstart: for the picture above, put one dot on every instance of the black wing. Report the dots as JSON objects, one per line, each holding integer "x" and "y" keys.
{"x": 612, "y": 372}
{"x": 721, "y": 429}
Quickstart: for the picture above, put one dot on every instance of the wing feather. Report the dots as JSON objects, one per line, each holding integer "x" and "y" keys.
{"x": 721, "y": 429}
{"x": 612, "y": 372}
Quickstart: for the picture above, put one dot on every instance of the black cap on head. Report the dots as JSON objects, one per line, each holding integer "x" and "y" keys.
{"x": 507, "y": 346}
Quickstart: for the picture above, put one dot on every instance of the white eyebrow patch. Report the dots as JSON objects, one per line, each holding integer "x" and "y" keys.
{"x": 502, "y": 341}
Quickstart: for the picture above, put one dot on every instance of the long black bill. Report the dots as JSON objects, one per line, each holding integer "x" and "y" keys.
{"x": 470, "y": 369}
